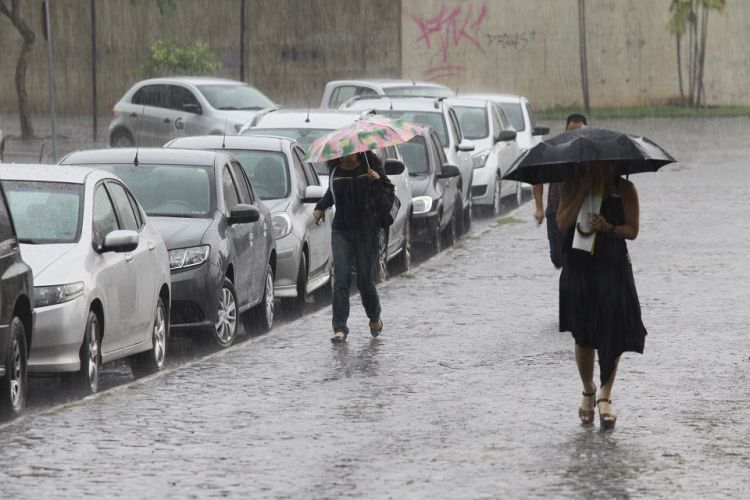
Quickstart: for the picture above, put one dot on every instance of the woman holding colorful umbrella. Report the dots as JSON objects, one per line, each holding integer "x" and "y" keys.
{"x": 357, "y": 176}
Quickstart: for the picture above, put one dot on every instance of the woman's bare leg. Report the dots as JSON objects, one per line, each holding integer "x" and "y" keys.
{"x": 585, "y": 362}
{"x": 607, "y": 389}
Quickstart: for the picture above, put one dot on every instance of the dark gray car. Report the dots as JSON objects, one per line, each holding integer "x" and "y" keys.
{"x": 217, "y": 230}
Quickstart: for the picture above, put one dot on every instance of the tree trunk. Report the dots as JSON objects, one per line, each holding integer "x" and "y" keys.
{"x": 583, "y": 55}
{"x": 679, "y": 71}
{"x": 27, "y": 130}
{"x": 702, "y": 60}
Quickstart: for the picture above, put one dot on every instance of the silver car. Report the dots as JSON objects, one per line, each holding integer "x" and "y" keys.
{"x": 305, "y": 127}
{"x": 337, "y": 92}
{"x": 290, "y": 188}
{"x": 157, "y": 110}
{"x": 101, "y": 271}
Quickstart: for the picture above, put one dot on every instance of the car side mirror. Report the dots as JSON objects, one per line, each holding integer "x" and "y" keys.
{"x": 243, "y": 214}
{"x": 120, "y": 241}
{"x": 540, "y": 131}
{"x": 448, "y": 171}
{"x": 465, "y": 145}
{"x": 394, "y": 167}
{"x": 506, "y": 136}
{"x": 192, "y": 108}
{"x": 313, "y": 194}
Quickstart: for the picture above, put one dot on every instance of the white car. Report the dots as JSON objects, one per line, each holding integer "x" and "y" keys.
{"x": 305, "y": 127}
{"x": 521, "y": 114}
{"x": 157, "y": 110}
{"x": 101, "y": 271}
{"x": 339, "y": 91}
{"x": 441, "y": 116}
{"x": 486, "y": 125}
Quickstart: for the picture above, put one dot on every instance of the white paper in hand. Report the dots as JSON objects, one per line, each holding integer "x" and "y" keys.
{"x": 591, "y": 205}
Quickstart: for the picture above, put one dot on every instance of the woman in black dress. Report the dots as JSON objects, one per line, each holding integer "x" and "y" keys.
{"x": 598, "y": 300}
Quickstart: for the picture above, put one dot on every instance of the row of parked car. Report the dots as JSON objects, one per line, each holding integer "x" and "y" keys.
{"x": 111, "y": 251}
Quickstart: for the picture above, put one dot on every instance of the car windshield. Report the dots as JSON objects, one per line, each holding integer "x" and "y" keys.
{"x": 268, "y": 172}
{"x": 45, "y": 212}
{"x": 168, "y": 190}
{"x": 435, "y": 120}
{"x": 418, "y": 91}
{"x": 234, "y": 97}
{"x": 473, "y": 122}
{"x": 303, "y": 136}
{"x": 515, "y": 114}
{"x": 415, "y": 156}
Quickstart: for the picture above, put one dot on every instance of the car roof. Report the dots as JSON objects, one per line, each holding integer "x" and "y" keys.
{"x": 498, "y": 97}
{"x": 427, "y": 104}
{"x": 467, "y": 101}
{"x": 388, "y": 82}
{"x": 262, "y": 142}
{"x": 194, "y": 80}
{"x": 50, "y": 173}
{"x": 125, "y": 156}
{"x": 290, "y": 118}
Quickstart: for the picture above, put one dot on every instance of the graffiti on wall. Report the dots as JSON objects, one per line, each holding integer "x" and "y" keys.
{"x": 518, "y": 41}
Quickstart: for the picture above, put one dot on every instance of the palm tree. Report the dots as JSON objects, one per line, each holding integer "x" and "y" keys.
{"x": 12, "y": 13}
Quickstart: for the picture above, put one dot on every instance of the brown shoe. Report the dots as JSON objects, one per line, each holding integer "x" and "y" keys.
{"x": 587, "y": 416}
{"x": 339, "y": 337}
{"x": 606, "y": 420}
{"x": 376, "y": 327}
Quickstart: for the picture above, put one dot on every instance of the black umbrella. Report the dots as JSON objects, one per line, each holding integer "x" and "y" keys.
{"x": 549, "y": 160}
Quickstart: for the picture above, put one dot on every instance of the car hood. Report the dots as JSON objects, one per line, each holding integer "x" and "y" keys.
{"x": 419, "y": 184}
{"x": 40, "y": 257}
{"x": 181, "y": 232}
{"x": 277, "y": 205}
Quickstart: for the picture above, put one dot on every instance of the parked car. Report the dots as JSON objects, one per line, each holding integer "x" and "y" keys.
{"x": 485, "y": 124}
{"x": 337, "y": 92}
{"x": 156, "y": 110}
{"x": 101, "y": 272}
{"x": 443, "y": 119}
{"x": 16, "y": 316}
{"x": 305, "y": 127}
{"x": 219, "y": 234}
{"x": 289, "y": 187}
{"x": 436, "y": 198}
{"x": 522, "y": 117}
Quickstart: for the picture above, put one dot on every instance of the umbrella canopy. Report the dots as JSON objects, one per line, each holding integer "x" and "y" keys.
{"x": 550, "y": 160}
{"x": 362, "y": 135}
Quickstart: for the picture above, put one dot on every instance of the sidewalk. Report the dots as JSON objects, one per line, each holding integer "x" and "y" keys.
{"x": 470, "y": 392}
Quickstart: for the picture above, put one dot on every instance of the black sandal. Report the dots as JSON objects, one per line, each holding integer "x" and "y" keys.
{"x": 587, "y": 416}
{"x": 339, "y": 337}
{"x": 606, "y": 420}
{"x": 376, "y": 327}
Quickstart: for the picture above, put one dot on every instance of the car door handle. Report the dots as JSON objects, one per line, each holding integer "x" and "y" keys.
{"x": 167, "y": 120}
{"x": 151, "y": 247}
{"x": 128, "y": 257}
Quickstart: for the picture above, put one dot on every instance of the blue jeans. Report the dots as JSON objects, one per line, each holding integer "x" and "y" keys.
{"x": 555, "y": 238}
{"x": 360, "y": 248}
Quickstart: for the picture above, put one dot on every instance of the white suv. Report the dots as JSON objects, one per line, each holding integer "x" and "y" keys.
{"x": 339, "y": 91}
{"x": 154, "y": 111}
{"x": 441, "y": 116}
{"x": 521, "y": 114}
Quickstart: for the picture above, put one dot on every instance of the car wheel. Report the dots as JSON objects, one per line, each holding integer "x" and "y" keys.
{"x": 298, "y": 303}
{"x": 86, "y": 380}
{"x": 436, "y": 243}
{"x": 497, "y": 201}
{"x": 449, "y": 234}
{"x": 519, "y": 194}
{"x": 381, "y": 273}
{"x": 152, "y": 361}
{"x": 225, "y": 329}
{"x": 403, "y": 260}
{"x": 467, "y": 216}
{"x": 121, "y": 138}
{"x": 265, "y": 311}
{"x": 13, "y": 388}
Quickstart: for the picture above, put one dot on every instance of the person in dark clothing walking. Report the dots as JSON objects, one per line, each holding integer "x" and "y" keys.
{"x": 354, "y": 237}
{"x": 554, "y": 236}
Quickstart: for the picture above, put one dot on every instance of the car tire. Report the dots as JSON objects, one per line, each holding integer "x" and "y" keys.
{"x": 436, "y": 245}
{"x": 264, "y": 313}
{"x": 121, "y": 138}
{"x": 151, "y": 361}
{"x": 13, "y": 385}
{"x": 298, "y": 303}
{"x": 468, "y": 215}
{"x": 519, "y": 194}
{"x": 497, "y": 200}
{"x": 403, "y": 260}
{"x": 381, "y": 273}
{"x": 224, "y": 331}
{"x": 449, "y": 234}
{"x": 86, "y": 380}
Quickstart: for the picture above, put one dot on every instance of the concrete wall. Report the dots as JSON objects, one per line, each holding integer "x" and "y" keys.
{"x": 532, "y": 47}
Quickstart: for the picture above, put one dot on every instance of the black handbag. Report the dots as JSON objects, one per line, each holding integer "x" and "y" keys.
{"x": 384, "y": 203}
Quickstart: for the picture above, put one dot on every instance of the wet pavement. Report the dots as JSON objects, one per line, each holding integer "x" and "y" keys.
{"x": 469, "y": 393}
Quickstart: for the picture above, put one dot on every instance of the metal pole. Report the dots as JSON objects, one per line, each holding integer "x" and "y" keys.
{"x": 583, "y": 55}
{"x": 94, "y": 124}
{"x": 50, "y": 72}
{"x": 242, "y": 40}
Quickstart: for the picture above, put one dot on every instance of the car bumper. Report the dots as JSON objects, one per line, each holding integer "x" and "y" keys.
{"x": 483, "y": 189}
{"x": 287, "y": 267}
{"x": 422, "y": 227}
{"x": 58, "y": 334}
{"x": 195, "y": 297}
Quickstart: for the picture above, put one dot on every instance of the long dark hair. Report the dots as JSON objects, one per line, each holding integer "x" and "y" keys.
{"x": 368, "y": 157}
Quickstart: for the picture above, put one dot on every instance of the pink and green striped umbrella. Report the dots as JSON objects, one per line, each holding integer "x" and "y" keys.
{"x": 363, "y": 135}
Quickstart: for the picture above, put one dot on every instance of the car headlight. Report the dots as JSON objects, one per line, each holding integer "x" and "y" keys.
{"x": 57, "y": 294}
{"x": 282, "y": 224}
{"x": 480, "y": 160}
{"x": 421, "y": 205}
{"x": 181, "y": 258}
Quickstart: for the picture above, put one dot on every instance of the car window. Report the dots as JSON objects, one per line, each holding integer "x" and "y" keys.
{"x": 434, "y": 119}
{"x": 532, "y": 116}
{"x": 342, "y": 94}
{"x": 303, "y": 136}
{"x": 439, "y": 149}
{"x": 152, "y": 95}
{"x": 6, "y": 227}
{"x": 415, "y": 155}
{"x": 179, "y": 97}
{"x": 124, "y": 209}
{"x": 473, "y": 121}
{"x": 105, "y": 220}
{"x": 267, "y": 170}
{"x": 514, "y": 112}
{"x": 499, "y": 115}
{"x": 240, "y": 177}
{"x": 455, "y": 127}
{"x": 45, "y": 212}
{"x": 365, "y": 91}
{"x": 310, "y": 174}
{"x": 136, "y": 209}
{"x": 234, "y": 97}
{"x": 299, "y": 173}
{"x": 231, "y": 199}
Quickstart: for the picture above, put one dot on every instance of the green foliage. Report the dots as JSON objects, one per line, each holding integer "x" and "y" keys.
{"x": 170, "y": 57}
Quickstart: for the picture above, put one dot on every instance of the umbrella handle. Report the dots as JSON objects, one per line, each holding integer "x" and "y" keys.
{"x": 582, "y": 232}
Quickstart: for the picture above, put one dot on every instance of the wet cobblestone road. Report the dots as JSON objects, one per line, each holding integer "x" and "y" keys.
{"x": 470, "y": 392}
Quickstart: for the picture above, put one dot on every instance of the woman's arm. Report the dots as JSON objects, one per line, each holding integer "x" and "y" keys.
{"x": 326, "y": 201}
{"x": 570, "y": 202}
